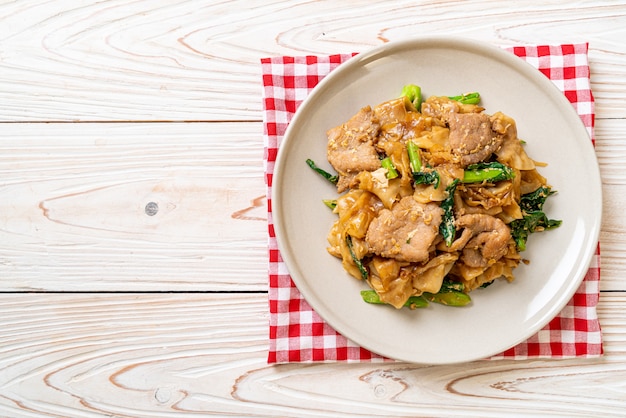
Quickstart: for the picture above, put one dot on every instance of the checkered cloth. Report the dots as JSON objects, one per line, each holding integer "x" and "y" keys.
{"x": 298, "y": 334}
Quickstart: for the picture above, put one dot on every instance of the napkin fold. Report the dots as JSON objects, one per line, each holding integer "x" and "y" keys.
{"x": 298, "y": 334}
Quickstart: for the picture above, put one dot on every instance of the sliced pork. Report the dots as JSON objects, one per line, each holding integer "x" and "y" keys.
{"x": 471, "y": 137}
{"x": 351, "y": 147}
{"x": 406, "y": 232}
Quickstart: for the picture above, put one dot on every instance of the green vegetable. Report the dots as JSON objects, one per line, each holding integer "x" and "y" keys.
{"x": 359, "y": 263}
{"x": 419, "y": 176}
{"x": 414, "y": 156}
{"x": 467, "y": 98}
{"x": 387, "y": 164}
{"x": 450, "y": 294}
{"x": 370, "y": 296}
{"x": 450, "y": 286}
{"x": 532, "y": 222}
{"x": 451, "y": 298}
{"x": 488, "y": 172}
{"x": 331, "y": 203}
{"x": 414, "y": 94}
{"x": 330, "y": 177}
{"x": 423, "y": 177}
{"x": 534, "y": 201}
{"x": 534, "y": 219}
{"x": 447, "y": 228}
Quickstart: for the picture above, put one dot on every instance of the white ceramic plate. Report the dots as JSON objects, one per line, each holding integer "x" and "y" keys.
{"x": 500, "y": 316}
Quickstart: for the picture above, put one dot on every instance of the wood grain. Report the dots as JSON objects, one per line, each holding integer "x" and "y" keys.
{"x": 611, "y": 153}
{"x": 156, "y": 355}
{"x": 72, "y": 212}
{"x": 145, "y": 60}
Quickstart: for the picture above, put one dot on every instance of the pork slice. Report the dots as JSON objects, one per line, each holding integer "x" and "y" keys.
{"x": 351, "y": 145}
{"x": 471, "y": 137}
{"x": 405, "y": 232}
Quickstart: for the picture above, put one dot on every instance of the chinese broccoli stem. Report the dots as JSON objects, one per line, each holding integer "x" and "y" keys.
{"x": 450, "y": 294}
{"x": 357, "y": 262}
{"x": 419, "y": 176}
{"x": 414, "y": 156}
{"x": 330, "y": 177}
{"x": 370, "y": 296}
{"x": 449, "y": 298}
{"x": 467, "y": 98}
{"x": 447, "y": 228}
{"x": 443, "y": 297}
{"x": 487, "y": 172}
{"x": 331, "y": 203}
{"x": 387, "y": 164}
{"x": 414, "y": 94}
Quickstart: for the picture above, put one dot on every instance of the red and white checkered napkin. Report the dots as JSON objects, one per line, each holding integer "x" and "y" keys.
{"x": 299, "y": 334}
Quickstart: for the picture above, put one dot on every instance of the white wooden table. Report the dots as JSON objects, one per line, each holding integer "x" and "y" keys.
{"x": 109, "y": 309}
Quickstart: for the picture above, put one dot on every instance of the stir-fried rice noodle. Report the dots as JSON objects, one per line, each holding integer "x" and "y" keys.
{"x": 391, "y": 225}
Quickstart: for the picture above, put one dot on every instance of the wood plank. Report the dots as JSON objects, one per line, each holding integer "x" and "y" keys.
{"x": 73, "y": 200}
{"x": 141, "y": 60}
{"x": 73, "y": 207}
{"x": 153, "y": 355}
{"x": 611, "y": 153}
